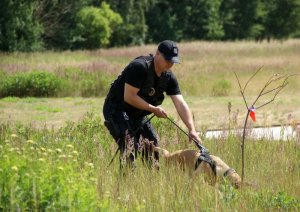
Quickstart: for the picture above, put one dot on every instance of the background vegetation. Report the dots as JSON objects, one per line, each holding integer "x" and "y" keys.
{"x": 54, "y": 152}
{"x": 89, "y": 24}
{"x": 68, "y": 169}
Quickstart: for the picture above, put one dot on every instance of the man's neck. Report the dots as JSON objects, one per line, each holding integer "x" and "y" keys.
{"x": 156, "y": 69}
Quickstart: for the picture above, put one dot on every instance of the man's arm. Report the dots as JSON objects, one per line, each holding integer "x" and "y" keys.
{"x": 185, "y": 115}
{"x": 131, "y": 97}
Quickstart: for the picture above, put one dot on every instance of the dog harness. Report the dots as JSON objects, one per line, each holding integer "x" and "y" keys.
{"x": 204, "y": 156}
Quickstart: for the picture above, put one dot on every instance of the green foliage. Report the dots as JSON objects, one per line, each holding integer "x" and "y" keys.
{"x": 77, "y": 82}
{"x": 58, "y": 21}
{"x": 71, "y": 82}
{"x": 94, "y": 26}
{"x": 221, "y": 88}
{"x": 168, "y": 27}
{"x": 89, "y": 24}
{"x": 282, "y": 18}
{"x": 36, "y": 83}
{"x": 66, "y": 170}
{"x": 134, "y": 30}
{"x": 205, "y": 15}
{"x": 19, "y": 29}
{"x": 278, "y": 201}
{"x": 41, "y": 175}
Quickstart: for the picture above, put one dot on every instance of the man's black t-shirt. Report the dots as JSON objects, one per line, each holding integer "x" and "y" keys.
{"x": 135, "y": 74}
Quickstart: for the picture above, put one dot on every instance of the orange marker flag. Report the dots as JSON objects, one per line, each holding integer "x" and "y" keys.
{"x": 252, "y": 114}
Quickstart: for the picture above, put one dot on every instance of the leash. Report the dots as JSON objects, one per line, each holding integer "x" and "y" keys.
{"x": 134, "y": 132}
{"x": 200, "y": 146}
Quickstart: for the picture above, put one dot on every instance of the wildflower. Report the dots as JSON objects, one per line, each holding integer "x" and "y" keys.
{"x": 58, "y": 150}
{"x": 60, "y": 168}
{"x": 14, "y": 136}
{"x": 30, "y": 142}
{"x": 75, "y": 153}
{"x": 70, "y": 146}
{"x": 43, "y": 149}
{"x": 91, "y": 165}
{"x": 41, "y": 159}
{"x": 62, "y": 156}
{"x": 14, "y": 168}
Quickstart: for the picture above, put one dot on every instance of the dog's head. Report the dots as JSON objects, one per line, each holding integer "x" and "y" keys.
{"x": 234, "y": 179}
{"x": 223, "y": 170}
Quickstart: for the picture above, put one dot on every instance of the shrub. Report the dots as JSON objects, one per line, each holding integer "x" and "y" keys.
{"x": 221, "y": 88}
{"x": 87, "y": 84}
{"x": 94, "y": 26}
{"x": 36, "y": 83}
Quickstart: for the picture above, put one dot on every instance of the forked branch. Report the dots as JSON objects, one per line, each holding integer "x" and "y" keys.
{"x": 264, "y": 91}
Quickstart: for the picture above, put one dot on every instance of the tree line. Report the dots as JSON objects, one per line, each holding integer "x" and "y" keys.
{"x": 91, "y": 24}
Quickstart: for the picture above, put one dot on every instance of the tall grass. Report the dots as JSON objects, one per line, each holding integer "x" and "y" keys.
{"x": 67, "y": 169}
{"x": 203, "y": 64}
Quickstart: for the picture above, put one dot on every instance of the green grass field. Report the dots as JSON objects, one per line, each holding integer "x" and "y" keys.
{"x": 54, "y": 152}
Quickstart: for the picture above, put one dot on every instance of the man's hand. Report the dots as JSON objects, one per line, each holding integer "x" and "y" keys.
{"x": 195, "y": 135}
{"x": 159, "y": 112}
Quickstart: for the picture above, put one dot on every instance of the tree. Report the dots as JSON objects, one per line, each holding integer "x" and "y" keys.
{"x": 58, "y": 21}
{"x": 241, "y": 19}
{"x": 203, "y": 21}
{"x": 133, "y": 31}
{"x": 19, "y": 30}
{"x": 282, "y": 18}
{"x": 162, "y": 23}
{"x": 94, "y": 27}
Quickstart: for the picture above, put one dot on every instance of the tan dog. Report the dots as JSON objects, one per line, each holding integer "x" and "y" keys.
{"x": 212, "y": 167}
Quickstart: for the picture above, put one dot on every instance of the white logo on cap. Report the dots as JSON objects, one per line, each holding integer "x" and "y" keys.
{"x": 175, "y": 50}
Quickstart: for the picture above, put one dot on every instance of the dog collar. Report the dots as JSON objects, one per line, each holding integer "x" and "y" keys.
{"x": 229, "y": 171}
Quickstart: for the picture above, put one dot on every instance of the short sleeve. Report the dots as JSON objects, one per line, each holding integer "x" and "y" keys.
{"x": 135, "y": 74}
{"x": 173, "y": 86}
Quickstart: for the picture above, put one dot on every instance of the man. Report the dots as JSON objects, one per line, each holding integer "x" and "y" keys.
{"x": 137, "y": 92}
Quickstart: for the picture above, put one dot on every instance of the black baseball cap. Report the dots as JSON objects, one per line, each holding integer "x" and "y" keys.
{"x": 169, "y": 50}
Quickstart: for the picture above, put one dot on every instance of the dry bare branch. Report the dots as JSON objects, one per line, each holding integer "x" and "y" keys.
{"x": 265, "y": 90}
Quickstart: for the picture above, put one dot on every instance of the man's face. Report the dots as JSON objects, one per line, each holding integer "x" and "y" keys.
{"x": 162, "y": 63}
